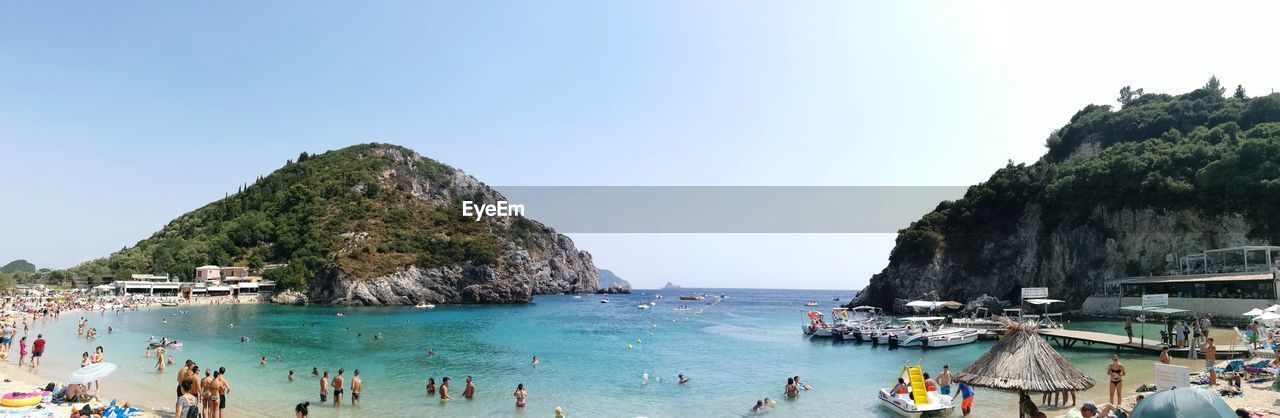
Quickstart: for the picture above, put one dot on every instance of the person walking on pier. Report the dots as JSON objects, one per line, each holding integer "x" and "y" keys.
{"x": 1128, "y": 329}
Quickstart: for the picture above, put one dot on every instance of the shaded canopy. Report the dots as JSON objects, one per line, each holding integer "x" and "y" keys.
{"x": 1023, "y": 360}
{"x": 1184, "y": 402}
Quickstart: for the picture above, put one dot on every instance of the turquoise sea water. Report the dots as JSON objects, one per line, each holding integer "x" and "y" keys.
{"x": 735, "y": 352}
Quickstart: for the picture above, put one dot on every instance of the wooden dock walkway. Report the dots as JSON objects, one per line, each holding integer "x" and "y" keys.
{"x": 1065, "y": 338}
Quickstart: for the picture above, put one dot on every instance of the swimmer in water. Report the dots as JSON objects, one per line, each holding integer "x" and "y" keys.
{"x": 431, "y": 351}
{"x": 535, "y": 361}
{"x": 683, "y": 380}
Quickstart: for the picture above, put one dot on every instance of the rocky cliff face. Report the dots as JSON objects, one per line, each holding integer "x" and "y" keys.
{"x": 1073, "y": 261}
{"x": 531, "y": 258}
{"x": 1120, "y": 193}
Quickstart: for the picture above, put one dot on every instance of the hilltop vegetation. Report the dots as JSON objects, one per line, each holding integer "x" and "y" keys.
{"x": 1203, "y": 153}
{"x": 18, "y": 266}
{"x": 364, "y": 211}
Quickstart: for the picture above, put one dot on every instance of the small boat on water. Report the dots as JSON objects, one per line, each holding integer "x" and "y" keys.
{"x": 681, "y": 308}
{"x": 577, "y": 297}
{"x": 643, "y": 306}
{"x": 914, "y": 399}
{"x": 691, "y": 297}
{"x": 604, "y": 300}
{"x": 424, "y": 306}
{"x": 811, "y": 303}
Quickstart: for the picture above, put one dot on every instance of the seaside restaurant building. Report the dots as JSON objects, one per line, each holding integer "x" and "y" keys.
{"x": 1222, "y": 282}
{"x": 148, "y": 284}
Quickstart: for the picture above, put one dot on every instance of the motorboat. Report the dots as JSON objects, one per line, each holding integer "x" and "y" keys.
{"x": 816, "y": 327}
{"x": 691, "y": 297}
{"x": 967, "y": 335}
{"x": 604, "y": 300}
{"x": 915, "y": 400}
{"x": 811, "y": 303}
{"x": 643, "y": 306}
{"x": 681, "y": 308}
{"x": 424, "y": 306}
{"x": 577, "y": 297}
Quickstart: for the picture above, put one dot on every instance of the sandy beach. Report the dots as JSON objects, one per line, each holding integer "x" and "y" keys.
{"x": 19, "y": 379}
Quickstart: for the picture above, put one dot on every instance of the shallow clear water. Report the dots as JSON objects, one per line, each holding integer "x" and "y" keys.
{"x": 735, "y": 352}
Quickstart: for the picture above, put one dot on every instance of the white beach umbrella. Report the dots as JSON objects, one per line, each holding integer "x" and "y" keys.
{"x": 1268, "y": 316}
{"x": 1273, "y": 308}
{"x": 92, "y": 373}
{"x": 1253, "y": 312}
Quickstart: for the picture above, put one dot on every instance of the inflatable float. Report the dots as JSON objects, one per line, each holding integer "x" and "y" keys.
{"x": 19, "y": 399}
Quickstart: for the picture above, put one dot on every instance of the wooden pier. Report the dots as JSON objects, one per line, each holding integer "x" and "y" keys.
{"x": 1069, "y": 338}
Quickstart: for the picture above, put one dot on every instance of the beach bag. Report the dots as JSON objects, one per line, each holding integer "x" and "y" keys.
{"x": 193, "y": 412}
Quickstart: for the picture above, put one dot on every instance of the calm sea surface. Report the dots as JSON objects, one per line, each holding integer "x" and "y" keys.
{"x": 735, "y": 352}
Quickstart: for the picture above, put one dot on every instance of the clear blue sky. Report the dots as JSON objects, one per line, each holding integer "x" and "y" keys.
{"x": 116, "y": 117}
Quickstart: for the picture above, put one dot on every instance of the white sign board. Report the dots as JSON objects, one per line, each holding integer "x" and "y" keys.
{"x": 1160, "y": 299}
{"x": 1169, "y": 376}
{"x": 1035, "y": 292}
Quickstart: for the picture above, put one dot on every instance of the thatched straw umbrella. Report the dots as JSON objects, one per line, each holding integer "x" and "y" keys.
{"x": 1023, "y": 361}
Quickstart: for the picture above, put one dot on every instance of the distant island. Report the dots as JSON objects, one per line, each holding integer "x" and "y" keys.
{"x": 671, "y": 286}
{"x": 611, "y": 283}
{"x": 370, "y": 224}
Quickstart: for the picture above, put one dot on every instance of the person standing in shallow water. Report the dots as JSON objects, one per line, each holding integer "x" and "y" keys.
{"x": 1115, "y": 370}
{"x": 470, "y": 390}
{"x": 337, "y": 388}
{"x": 431, "y": 386}
{"x": 944, "y": 380}
{"x": 444, "y": 389}
{"x": 324, "y": 387}
{"x": 520, "y": 394}
{"x": 355, "y": 387}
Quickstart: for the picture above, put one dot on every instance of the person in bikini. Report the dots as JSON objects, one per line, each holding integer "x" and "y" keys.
{"x": 431, "y": 385}
{"x": 206, "y": 386}
{"x": 214, "y": 407}
{"x": 1115, "y": 393}
{"x": 520, "y": 394}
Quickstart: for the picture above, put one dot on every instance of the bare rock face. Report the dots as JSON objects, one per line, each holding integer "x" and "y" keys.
{"x": 289, "y": 297}
{"x": 566, "y": 270}
{"x": 1072, "y": 259}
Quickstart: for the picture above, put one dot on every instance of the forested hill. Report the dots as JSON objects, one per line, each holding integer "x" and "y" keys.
{"x": 1118, "y": 190}
{"x": 367, "y": 224}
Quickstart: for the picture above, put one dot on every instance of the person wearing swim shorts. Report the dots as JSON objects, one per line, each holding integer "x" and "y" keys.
{"x": 944, "y": 380}
{"x": 324, "y": 387}
{"x": 965, "y": 392}
{"x": 37, "y": 350}
{"x": 337, "y": 388}
{"x": 355, "y": 387}
{"x": 224, "y": 388}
